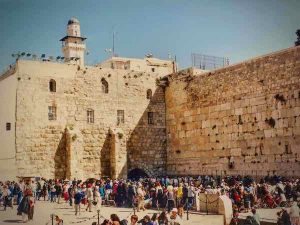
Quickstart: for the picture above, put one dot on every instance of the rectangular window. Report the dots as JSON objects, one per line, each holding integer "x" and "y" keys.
{"x": 90, "y": 116}
{"x": 120, "y": 117}
{"x": 52, "y": 112}
{"x": 8, "y": 126}
{"x": 150, "y": 118}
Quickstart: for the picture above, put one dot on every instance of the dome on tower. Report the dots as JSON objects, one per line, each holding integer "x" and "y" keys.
{"x": 73, "y": 20}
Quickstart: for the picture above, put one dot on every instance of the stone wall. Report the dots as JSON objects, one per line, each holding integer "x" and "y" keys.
{"x": 47, "y": 148}
{"x": 242, "y": 119}
{"x": 8, "y": 86}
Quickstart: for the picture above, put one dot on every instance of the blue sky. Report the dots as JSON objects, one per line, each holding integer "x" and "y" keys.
{"x": 237, "y": 29}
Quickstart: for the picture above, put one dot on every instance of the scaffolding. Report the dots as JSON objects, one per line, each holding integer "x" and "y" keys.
{"x": 207, "y": 62}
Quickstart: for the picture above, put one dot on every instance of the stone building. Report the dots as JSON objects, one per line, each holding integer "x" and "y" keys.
{"x": 126, "y": 116}
{"x": 71, "y": 120}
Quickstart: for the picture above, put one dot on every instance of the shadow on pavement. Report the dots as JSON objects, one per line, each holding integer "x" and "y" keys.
{"x": 13, "y": 221}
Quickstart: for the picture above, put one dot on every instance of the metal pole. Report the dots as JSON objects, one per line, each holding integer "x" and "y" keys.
{"x": 206, "y": 205}
{"x": 187, "y": 209}
{"x": 52, "y": 218}
{"x": 113, "y": 47}
{"x": 98, "y": 211}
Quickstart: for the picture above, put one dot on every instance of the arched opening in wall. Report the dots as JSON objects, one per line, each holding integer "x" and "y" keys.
{"x": 104, "y": 85}
{"x": 60, "y": 158}
{"x": 52, "y": 85}
{"x": 149, "y": 94}
{"x": 136, "y": 174}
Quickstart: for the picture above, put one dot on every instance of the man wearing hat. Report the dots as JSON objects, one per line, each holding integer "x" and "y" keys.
{"x": 174, "y": 218}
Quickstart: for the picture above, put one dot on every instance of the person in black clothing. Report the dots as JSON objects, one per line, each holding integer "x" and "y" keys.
{"x": 185, "y": 196}
{"x": 283, "y": 218}
{"x": 160, "y": 198}
{"x": 58, "y": 188}
{"x": 70, "y": 192}
{"x": 131, "y": 193}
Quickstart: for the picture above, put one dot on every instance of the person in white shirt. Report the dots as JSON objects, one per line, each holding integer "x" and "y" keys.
{"x": 294, "y": 214}
{"x": 174, "y": 219}
{"x": 256, "y": 216}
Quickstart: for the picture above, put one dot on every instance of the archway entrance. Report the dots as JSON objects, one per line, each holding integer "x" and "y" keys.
{"x": 136, "y": 174}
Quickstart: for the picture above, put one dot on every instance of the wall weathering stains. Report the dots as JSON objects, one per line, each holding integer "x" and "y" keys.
{"x": 65, "y": 119}
{"x": 242, "y": 119}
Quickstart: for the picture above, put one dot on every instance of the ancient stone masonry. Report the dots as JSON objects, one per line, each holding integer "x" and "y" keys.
{"x": 242, "y": 119}
{"x": 67, "y": 120}
{"x": 88, "y": 149}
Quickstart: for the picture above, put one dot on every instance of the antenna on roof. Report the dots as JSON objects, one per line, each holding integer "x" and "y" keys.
{"x": 113, "y": 41}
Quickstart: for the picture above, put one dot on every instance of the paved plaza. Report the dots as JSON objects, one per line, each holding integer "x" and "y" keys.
{"x": 43, "y": 210}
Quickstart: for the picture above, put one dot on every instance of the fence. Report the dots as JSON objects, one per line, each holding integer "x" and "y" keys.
{"x": 207, "y": 62}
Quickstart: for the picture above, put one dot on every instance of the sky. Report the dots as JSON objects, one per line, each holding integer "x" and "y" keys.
{"x": 237, "y": 29}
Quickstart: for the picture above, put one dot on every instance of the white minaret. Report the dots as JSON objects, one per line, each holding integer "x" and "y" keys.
{"x": 73, "y": 46}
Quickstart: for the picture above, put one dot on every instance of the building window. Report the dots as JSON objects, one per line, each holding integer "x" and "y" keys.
{"x": 150, "y": 118}
{"x": 149, "y": 94}
{"x": 153, "y": 69}
{"x": 90, "y": 116}
{"x": 120, "y": 117}
{"x": 52, "y": 85}
{"x": 52, "y": 112}
{"x": 8, "y": 126}
{"x": 104, "y": 85}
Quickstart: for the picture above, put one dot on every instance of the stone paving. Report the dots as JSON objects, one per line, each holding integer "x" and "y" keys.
{"x": 43, "y": 210}
{"x": 268, "y": 215}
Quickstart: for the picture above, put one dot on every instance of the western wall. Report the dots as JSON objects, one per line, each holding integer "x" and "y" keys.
{"x": 242, "y": 119}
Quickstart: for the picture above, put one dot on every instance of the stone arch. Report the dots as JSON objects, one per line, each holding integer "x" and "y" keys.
{"x": 52, "y": 85}
{"x": 104, "y": 86}
{"x": 137, "y": 173}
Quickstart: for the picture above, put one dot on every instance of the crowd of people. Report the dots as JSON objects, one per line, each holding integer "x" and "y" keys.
{"x": 172, "y": 196}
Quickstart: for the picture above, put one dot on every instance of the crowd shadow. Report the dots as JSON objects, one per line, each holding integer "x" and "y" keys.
{"x": 12, "y": 221}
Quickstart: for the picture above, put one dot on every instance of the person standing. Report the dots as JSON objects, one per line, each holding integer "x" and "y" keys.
{"x": 31, "y": 201}
{"x": 97, "y": 197}
{"x": 58, "y": 188}
{"x": 45, "y": 191}
{"x": 191, "y": 196}
{"x": 77, "y": 200}
{"x": 53, "y": 193}
{"x": 6, "y": 194}
{"x": 170, "y": 198}
{"x": 256, "y": 216}
{"x": 89, "y": 196}
{"x": 131, "y": 193}
{"x": 26, "y": 206}
{"x": 71, "y": 195}
{"x": 160, "y": 196}
{"x": 140, "y": 198}
{"x": 179, "y": 194}
{"x": 294, "y": 214}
